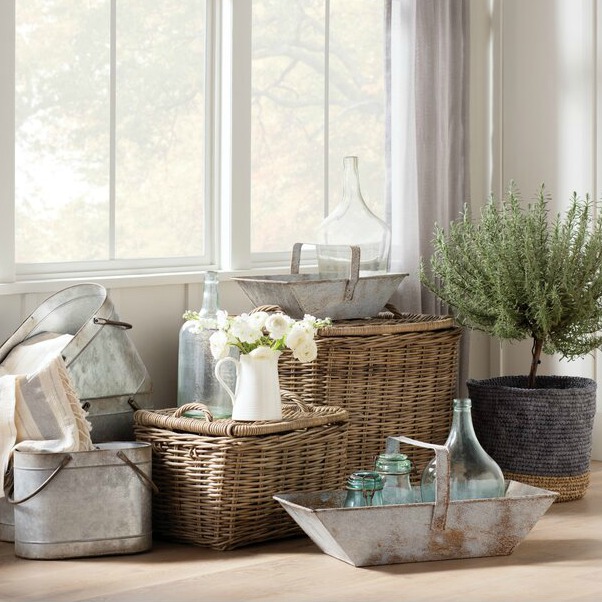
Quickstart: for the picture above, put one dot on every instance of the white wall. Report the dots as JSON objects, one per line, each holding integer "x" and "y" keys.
{"x": 544, "y": 126}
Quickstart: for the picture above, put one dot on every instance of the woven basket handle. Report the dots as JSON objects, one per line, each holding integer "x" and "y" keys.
{"x": 195, "y": 405}
{"x": 288, "y": 397}
{"x": 439, "y": 517}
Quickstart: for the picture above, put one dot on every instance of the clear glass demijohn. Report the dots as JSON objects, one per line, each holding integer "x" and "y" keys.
{"x": 352, "y": 223}
{"x": 196, "y": 364}
{"x": 473, "y": 473}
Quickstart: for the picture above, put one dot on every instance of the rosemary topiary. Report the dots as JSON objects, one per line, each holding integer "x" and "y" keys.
{"x": 518, "y": 274}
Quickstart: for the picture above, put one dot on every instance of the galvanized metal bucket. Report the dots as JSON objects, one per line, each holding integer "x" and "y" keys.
{"x": 106, "y": 370}
{"x": 76, "y": 504}
{"x": 340, "y": 299}
{"x": 377, "y": 535}
{"x": 7, "y": 521}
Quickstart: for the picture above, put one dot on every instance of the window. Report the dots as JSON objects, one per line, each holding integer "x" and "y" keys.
{"x": 317, "y": 96}
{"x": 123, "y": 107}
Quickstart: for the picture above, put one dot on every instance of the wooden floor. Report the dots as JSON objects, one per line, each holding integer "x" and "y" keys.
{"x": 560, "y": 560}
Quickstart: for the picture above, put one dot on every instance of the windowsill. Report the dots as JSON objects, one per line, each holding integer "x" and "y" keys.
{"x": 112, "y": 281}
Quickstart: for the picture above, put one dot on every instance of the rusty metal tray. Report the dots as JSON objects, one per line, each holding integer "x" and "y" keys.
{"x": 339, "y": 299}
{"x": 439, "y": 530}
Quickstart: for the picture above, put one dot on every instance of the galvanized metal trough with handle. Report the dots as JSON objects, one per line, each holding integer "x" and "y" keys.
{"x": 339, "y": 298}
{"x": 439, "y": 530}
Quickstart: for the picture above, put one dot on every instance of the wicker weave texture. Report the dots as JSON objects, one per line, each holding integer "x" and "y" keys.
{"x": 399, "y": 381}
{"x": 216, "y": 491}
{"x": 540, "y": 436}
{"x": 568, "y": 488}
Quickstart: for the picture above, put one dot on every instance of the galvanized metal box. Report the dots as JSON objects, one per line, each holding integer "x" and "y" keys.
{"x": 76, "y": 504}
{"x": 107, "y": 373}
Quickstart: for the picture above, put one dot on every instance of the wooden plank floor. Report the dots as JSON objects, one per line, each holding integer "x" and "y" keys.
{"x": 560, "y": 560}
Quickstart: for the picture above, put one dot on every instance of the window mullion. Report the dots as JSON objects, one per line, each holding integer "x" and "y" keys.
{"x": 326, "y": 106}
{"x": 112, "y": 127}
{"x": 235, "y": 189}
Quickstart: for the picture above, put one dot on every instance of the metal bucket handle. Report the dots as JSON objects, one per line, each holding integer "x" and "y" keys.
{"x": 66, "y": 459}
{"x": 439, "y": 517}
{"x": 102, "y": 317}
{"x": 143, "y": 476}
{"x": 354, "y": 273}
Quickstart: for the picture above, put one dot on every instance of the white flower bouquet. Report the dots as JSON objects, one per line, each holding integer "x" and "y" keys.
{"x": 261, "y": 334}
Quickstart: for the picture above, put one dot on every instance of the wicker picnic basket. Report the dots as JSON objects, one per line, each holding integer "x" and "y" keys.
{"x": 393, "y": 374}
{"x": 216, "y": 478}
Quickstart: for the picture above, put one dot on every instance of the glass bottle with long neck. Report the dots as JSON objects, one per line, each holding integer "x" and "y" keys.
{"x": 473, "y": 473}
{"x": 352, "y": 223}
{"x": 196, "y": 364}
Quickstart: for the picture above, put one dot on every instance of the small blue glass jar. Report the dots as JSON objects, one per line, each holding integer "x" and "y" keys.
{"x": 364, "y": 488}
{"x": 395, "y": 470}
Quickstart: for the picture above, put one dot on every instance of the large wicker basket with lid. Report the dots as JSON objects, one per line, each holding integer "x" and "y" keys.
{"x": 397, "y": 373}
{"x": 216, "y": 478}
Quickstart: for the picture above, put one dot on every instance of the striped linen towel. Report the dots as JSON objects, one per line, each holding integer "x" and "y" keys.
{"x": 39, "y": 409}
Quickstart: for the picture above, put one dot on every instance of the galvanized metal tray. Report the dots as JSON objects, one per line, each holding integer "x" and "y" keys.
{"x": 422, "y": 531}
{"x": 339, "y": 299}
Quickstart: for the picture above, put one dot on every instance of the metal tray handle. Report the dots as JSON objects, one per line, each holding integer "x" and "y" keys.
{"x": 354, "y": 272}
{"x": 440, "y": 509}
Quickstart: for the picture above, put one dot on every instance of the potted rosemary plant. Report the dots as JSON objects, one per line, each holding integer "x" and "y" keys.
{"x": 518, "y": 273}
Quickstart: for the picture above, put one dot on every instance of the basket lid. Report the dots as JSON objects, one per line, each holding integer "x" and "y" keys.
{"x": 296, "y": 415}
{"x": 387, "y": 323}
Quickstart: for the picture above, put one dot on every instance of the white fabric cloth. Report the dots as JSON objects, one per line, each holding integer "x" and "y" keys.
{"x": 39, "y": 409}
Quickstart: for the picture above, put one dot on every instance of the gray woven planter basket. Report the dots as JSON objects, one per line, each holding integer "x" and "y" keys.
{"x": 540, "y": 436}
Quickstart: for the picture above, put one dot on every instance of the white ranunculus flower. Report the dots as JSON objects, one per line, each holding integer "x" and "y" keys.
{"x": 277, "y": 325}
{"x": 245, "y": 330}
{"x": 297, "y": 336}
{"x": 206, "y": 324}
{"x": 257, "y": 319}
{"x": 309, "y": 320}
{"x": 222, "y": 319}
{"x": 263, "y": 352}
{"x": 307, "y": 351}
{"x": 218, "y": 343}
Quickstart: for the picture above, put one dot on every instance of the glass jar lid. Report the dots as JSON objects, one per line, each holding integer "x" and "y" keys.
{"x": 393, "y": 464}
{"x": 365, "y": 480}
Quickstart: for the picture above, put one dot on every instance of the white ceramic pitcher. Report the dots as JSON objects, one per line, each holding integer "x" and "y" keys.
{"x": 257, "y": 395}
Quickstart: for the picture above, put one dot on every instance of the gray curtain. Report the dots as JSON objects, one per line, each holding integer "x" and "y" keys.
{"x": 427, "y": 58}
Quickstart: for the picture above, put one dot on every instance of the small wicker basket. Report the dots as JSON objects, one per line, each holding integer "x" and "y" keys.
{"x": 393, "y": 374}
{"x": 216, "y": 478}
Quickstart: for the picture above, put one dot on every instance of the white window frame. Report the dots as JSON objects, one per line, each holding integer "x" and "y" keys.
{"x": 227, "y": 178}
